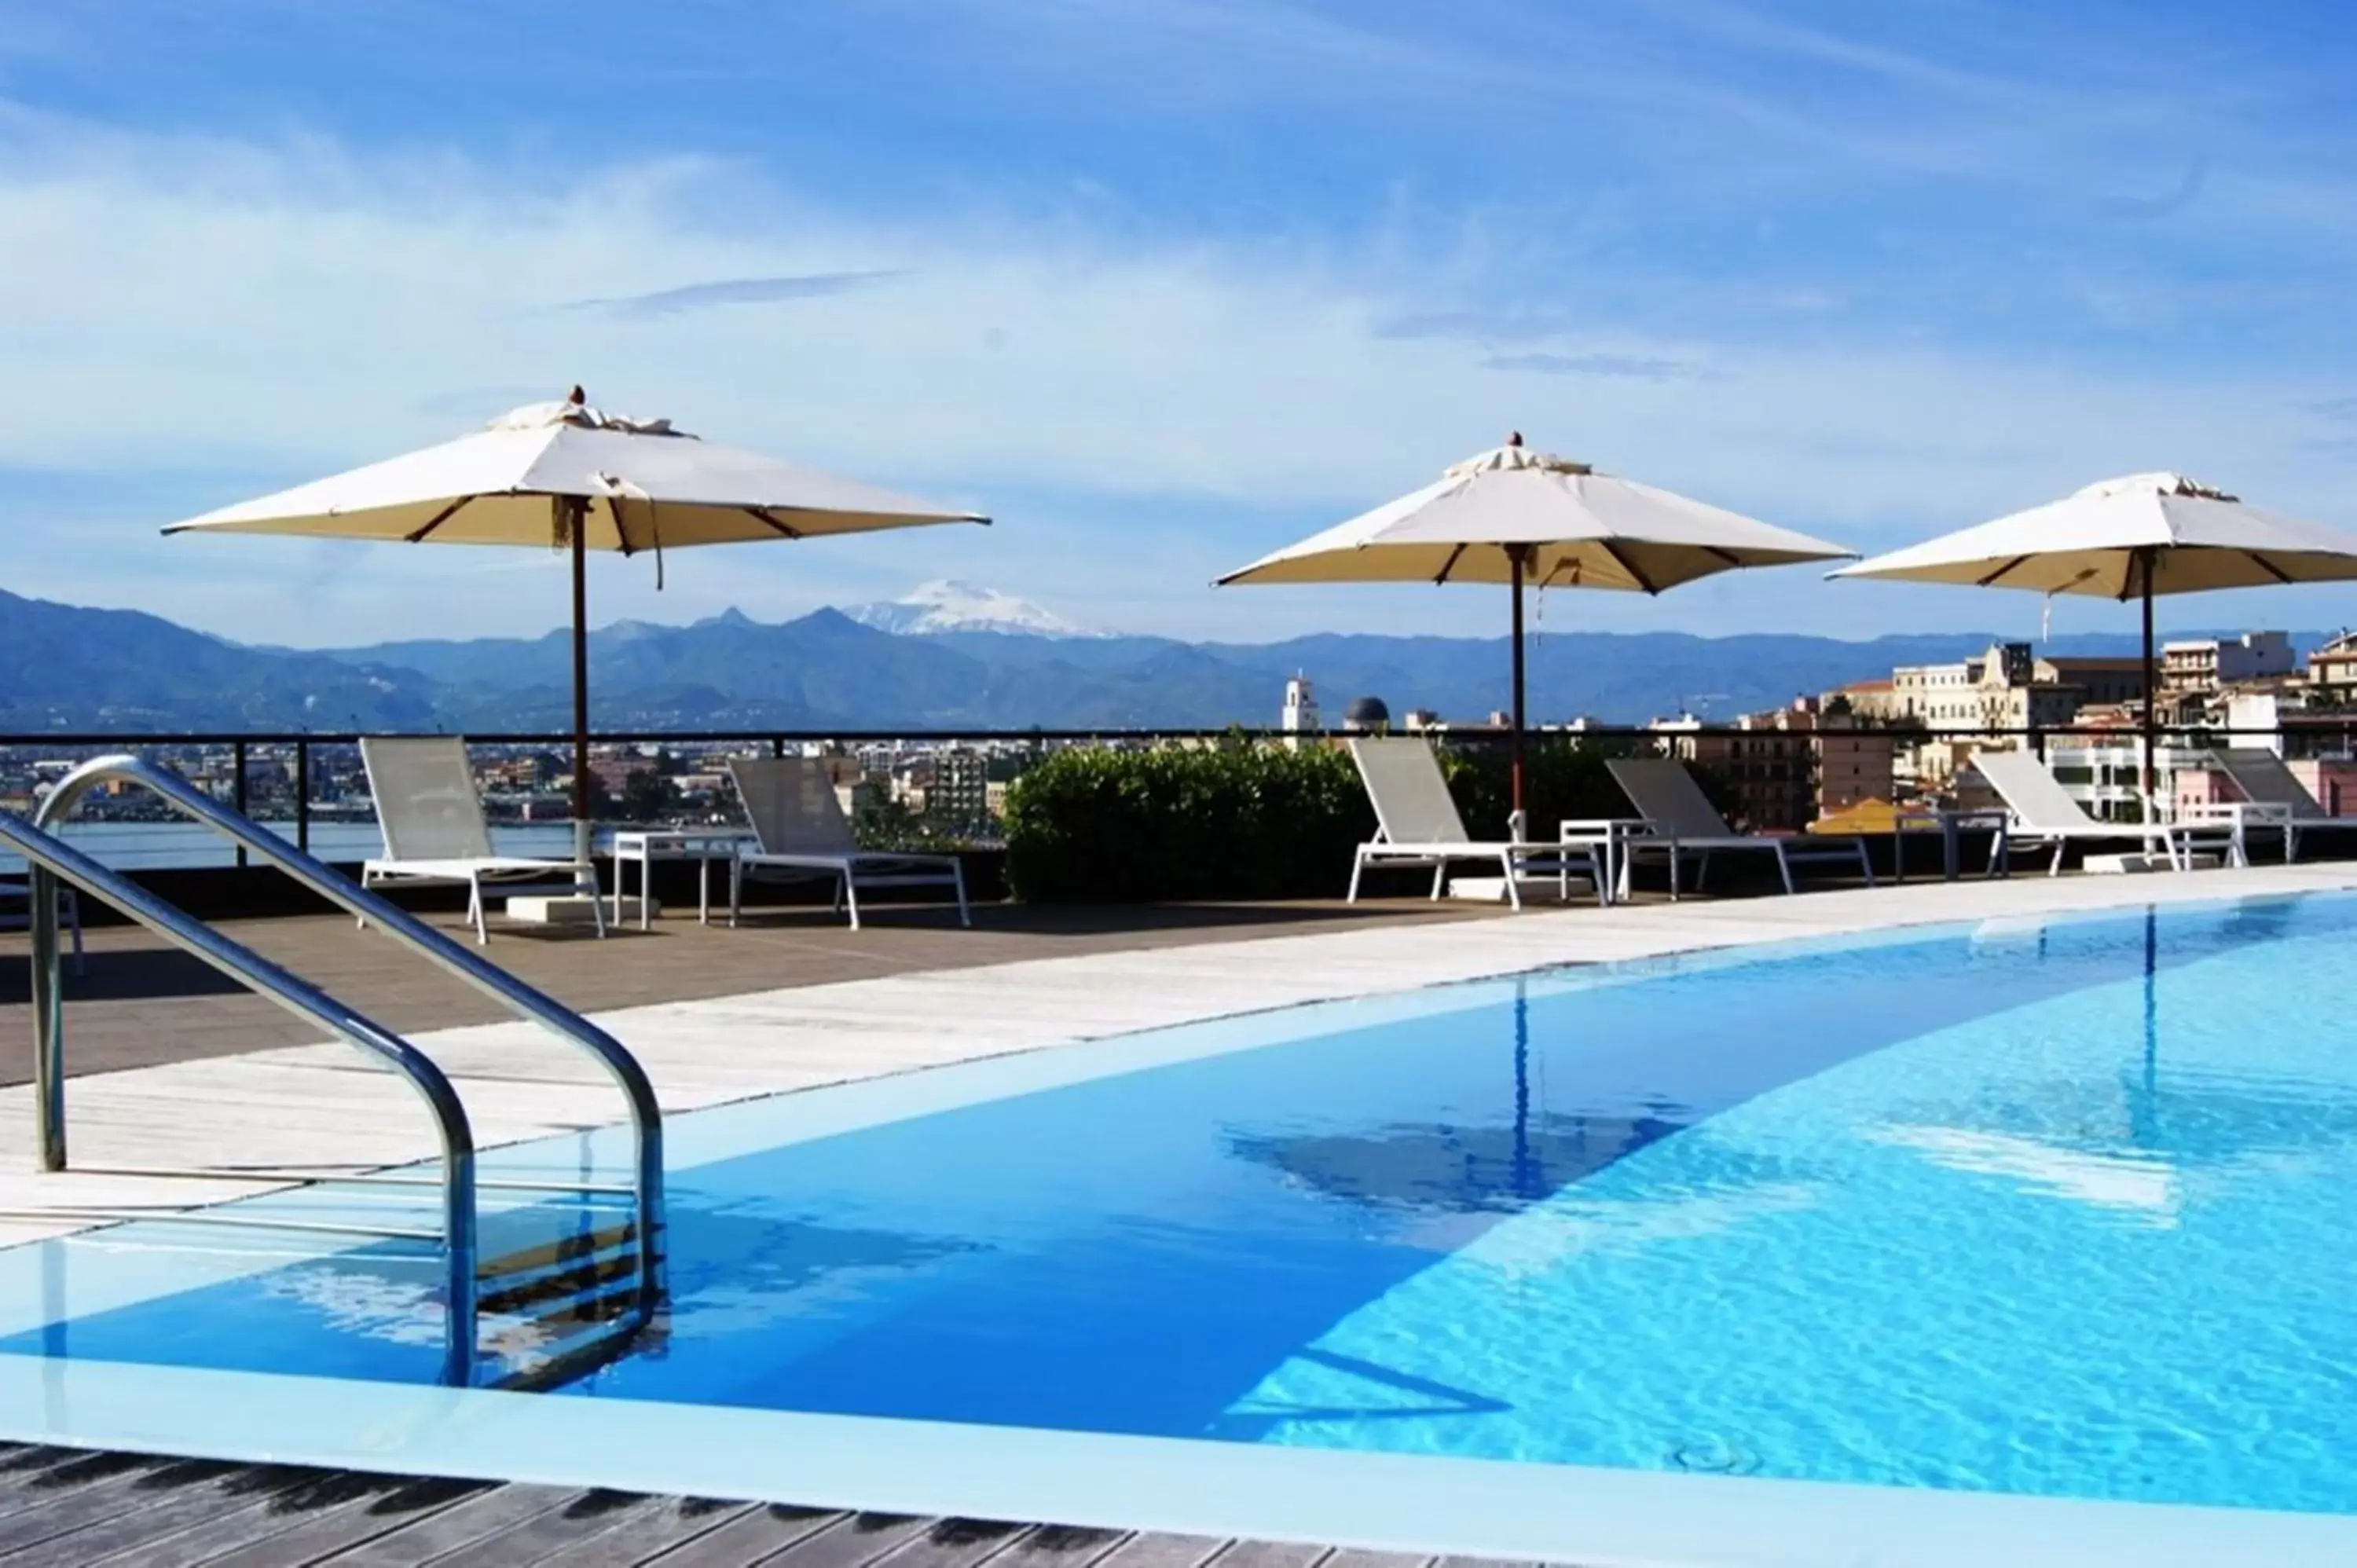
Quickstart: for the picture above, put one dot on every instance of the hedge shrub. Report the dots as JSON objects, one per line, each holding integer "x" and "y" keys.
{"x": 1247, "y": 820}
{"x": 1235, "y": 820}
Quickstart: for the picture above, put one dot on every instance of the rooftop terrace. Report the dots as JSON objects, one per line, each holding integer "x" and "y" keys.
{"x": 172, "y": 1069}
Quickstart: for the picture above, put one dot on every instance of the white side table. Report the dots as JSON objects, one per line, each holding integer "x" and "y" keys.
{"x": 2239, "y": 817}
{"x": 1607, "y": 838}
{"x": 1951, "y": 824}
{"x": 647, "y": 845}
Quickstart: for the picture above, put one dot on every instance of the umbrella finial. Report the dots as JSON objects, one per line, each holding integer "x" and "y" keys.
{"x": 577, "y": 397}
{"x": 1513, "y": 438}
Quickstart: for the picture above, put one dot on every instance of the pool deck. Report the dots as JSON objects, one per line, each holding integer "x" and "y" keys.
{"x": 60, "y": 1506}
{"x": 205, "y": 1077}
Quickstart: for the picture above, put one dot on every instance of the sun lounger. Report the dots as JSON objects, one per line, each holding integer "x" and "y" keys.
{"x": 799, "y": 831}
{"x": 435, "y": 833}
{"x": 1417, "y": 825}
{"x": 2264, "y": 780}
{"x": 1682, "y": 821}
{"x": 2039, "y": 811}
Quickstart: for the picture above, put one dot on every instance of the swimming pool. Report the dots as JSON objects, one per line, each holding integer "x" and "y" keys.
{"x": 2053, "y": 1209}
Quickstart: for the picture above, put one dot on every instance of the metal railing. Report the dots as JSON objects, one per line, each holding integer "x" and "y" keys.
{"x": 646, "y": 1190}
{"x": 52, "y": 861}
{"x": 2302, "y": 734}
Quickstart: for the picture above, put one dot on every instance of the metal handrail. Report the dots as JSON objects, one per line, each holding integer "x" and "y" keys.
{"x": 525, "y": 1002}
{"x": 52, "y": 860}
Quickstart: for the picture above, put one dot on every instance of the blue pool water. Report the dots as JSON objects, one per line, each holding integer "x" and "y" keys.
{"x": 2059, "y": 1209}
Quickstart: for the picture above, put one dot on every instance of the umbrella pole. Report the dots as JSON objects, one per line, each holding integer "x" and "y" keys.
{"x": 1518, "y": 556}
{"x": 580, "y": 518}
{"x": 2151, "y": 718}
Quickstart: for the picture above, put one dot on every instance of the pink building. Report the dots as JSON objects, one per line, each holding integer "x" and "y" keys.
{"x": 2332, "y": 780}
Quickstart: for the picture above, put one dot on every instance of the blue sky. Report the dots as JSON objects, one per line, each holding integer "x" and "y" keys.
{"x": 1165, "y": 284}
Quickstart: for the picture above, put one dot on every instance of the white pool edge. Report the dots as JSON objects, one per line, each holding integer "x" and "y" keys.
{"x": 1379, "y": 1501}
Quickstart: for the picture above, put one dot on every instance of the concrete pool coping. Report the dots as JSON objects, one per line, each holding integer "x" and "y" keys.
{"x": 328, "y": 1107}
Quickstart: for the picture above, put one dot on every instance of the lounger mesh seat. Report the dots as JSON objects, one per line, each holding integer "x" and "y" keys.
{"x": 2264, "y": 780}
{"x": 435, "y": 833}
{"x": 2040, "y": 812}
{"x": 801, "y": 832}
{"x": 1681, "y": 820}
{"x": 1417, "y": 825}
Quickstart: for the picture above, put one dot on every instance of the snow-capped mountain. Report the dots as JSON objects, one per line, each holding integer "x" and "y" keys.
{"x": 946, "y": 606}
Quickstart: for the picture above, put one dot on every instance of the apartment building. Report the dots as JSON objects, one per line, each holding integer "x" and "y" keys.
{"x": 1789, "y": 767}
{"x": 2332, "y": 668}
{"x": 2202, "y": 665}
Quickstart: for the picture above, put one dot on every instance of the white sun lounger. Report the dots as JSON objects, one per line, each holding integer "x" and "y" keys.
{"x": 2039, "y": 811}
{"x": 801, "y": 832}
{"x": 1417, "y": 824}
{"x": 1681, "y": 820}
{"x": 435, "y": 833}
{"x": 2264, "y": 780}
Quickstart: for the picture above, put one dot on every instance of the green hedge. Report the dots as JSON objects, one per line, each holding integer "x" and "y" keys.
{"x": 1238, "y": 821}
{"x": 1247, "y": 821}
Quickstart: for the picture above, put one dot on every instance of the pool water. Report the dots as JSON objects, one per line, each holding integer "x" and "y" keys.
{"x": 2059, "y": 1209}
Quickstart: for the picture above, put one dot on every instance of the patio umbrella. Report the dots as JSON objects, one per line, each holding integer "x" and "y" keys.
{"x": 566, "y": 476}
{"x": 2130, "y": 538}
{"x": 1522, "y": 518}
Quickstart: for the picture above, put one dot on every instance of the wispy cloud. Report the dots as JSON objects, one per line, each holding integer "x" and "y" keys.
{"x": 1526, "y": 325}
{"x": 2180, "y": 194}
{"x": 732, "y": 291}
{"x": 1623, "y": 365}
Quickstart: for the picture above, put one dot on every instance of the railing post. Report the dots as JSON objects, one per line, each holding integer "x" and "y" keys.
{"x": 303, "y": 796}
{"x": 49, "y": 1019}
{"x": 777, "y": 745}
{"x": 237, "y": 788}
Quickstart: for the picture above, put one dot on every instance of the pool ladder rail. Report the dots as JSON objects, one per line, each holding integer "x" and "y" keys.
{"x": 562, "y": 1307}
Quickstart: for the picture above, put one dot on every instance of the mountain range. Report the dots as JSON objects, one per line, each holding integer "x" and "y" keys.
{"x": 947, "y": 604}
{"x": 68, "y": 667}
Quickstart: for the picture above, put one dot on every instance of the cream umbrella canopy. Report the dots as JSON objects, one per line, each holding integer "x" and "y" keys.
{"x": 1522, "y": 517}
{"x": 566, "y": 476}
{"x": 2130, "y": 538}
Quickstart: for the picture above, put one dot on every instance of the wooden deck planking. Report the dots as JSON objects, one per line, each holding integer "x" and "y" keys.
{"x": 340, "y": 1512}
{"x": 169, "y": 1509}
{"x": 61, "y": 1507}
{"x": 851, "y": 1541}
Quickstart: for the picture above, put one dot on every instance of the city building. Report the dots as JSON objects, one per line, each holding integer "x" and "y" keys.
{"x": 1301, "y": 716}
{"x": 2203, "y": 665}
{"x": 2332, "y": 668}
{"x": 2106, "y": 776}
{"x": 1366, "y": 716}
{"x": 1787, "y": 768}
{"x": 960, "y": 788}
{"x": 1993, "y": 700}
{"x": 1869, "y": 701}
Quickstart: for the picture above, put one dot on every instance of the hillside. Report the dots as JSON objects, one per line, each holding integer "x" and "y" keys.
{"x": 67, "y": 667}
